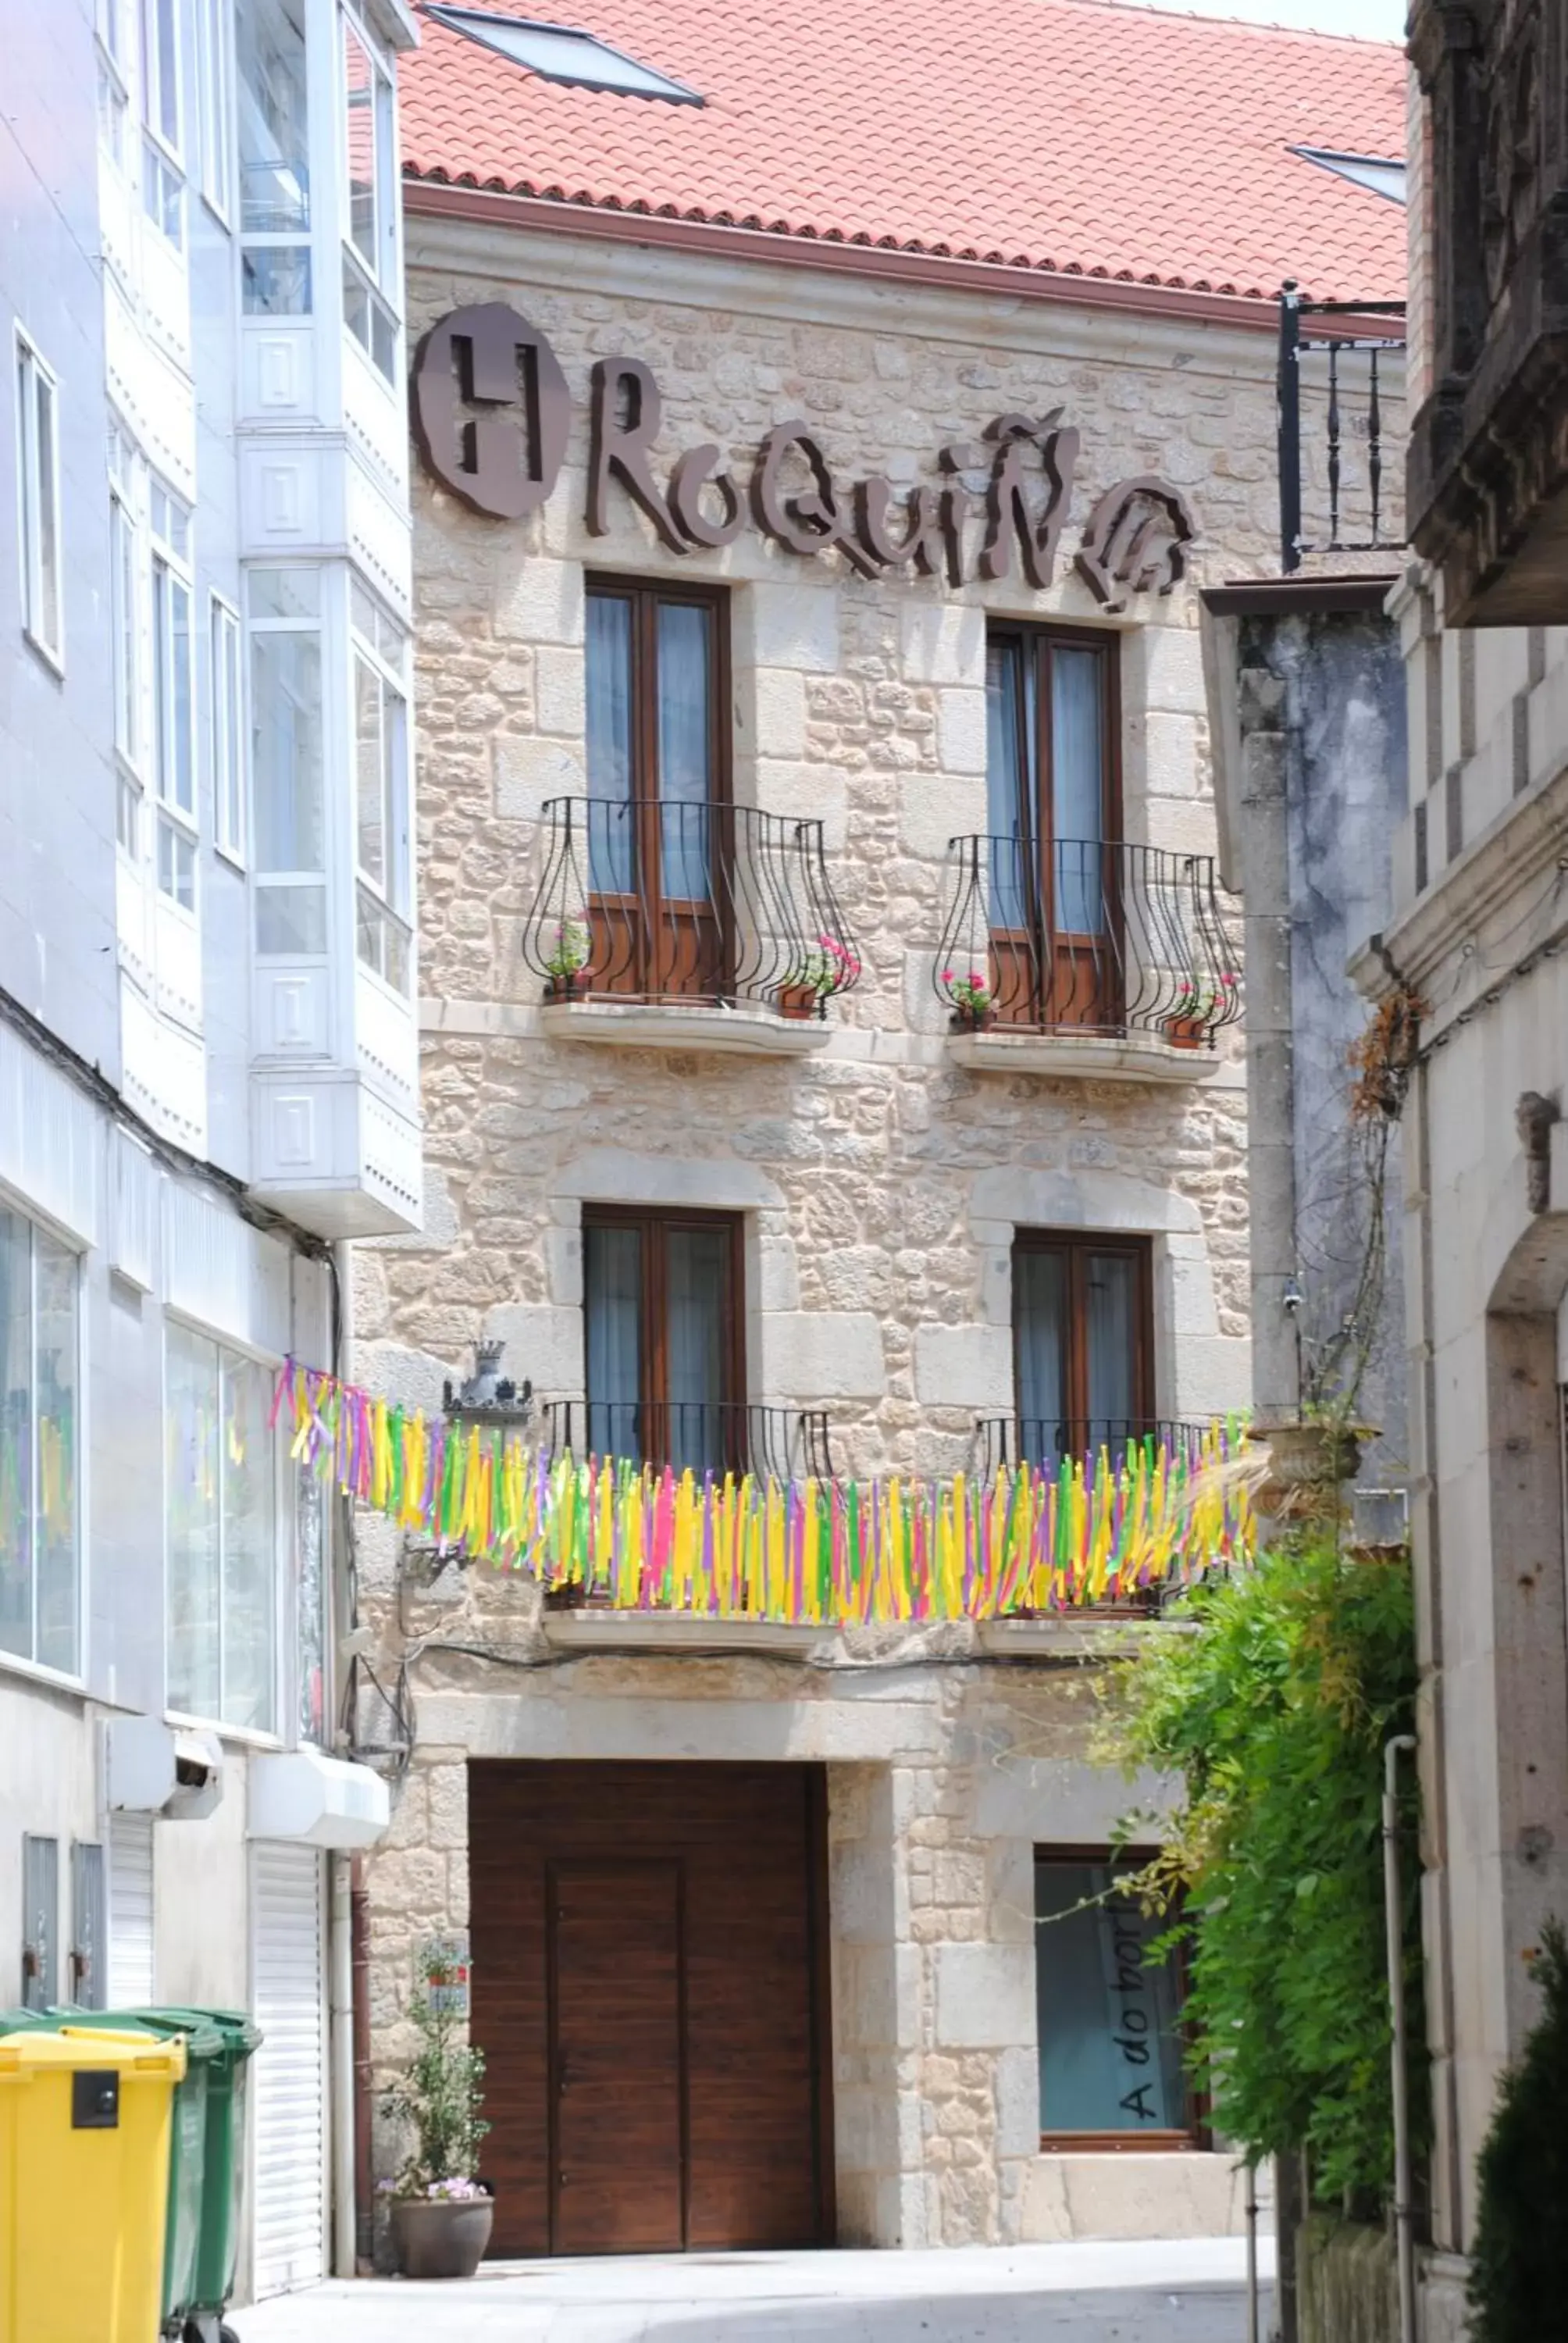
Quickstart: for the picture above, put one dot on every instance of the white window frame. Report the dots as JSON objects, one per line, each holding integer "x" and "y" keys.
{"x": 372, "y": 285}
{"x": 39, "y": 503}
{"x": 163, "y": 157}
{"x": 226, "y": 728}
{"x": 260, "y": 624}
{"x": 29, "y": 1663}
{"x": 378, "y": 644}
{"x": 114, "y": 89}
{"x": 214, "y": 69}
{"x": 178, "y": 826}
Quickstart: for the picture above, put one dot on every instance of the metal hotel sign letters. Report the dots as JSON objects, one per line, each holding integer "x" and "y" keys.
{"x": 491, "y": 415}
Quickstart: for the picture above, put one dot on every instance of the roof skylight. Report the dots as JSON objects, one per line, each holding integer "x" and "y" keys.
{"x": 1380, "y": 175}
{"x": 561, "y": 52}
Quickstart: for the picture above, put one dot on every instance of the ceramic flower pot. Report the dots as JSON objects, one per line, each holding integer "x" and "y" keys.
{"x": 799, "y": 1001}
{"x": 973, "y": 1021}
{"x": 441, "y": 2237}
{"x": 1187, "y": 1032}
{"x": 1304, "y": 1456}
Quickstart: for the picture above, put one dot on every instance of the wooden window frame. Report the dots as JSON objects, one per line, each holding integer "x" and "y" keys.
{"x": 663, "y": 929}
{"x": 1074, "y": 975}
{"x": 653, "y": 1223}
{"x": 1193, "y": 2138}
{"x": 1076, "y": 1244}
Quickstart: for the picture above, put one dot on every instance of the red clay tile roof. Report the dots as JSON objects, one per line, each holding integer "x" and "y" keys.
{"x": 1068, "y": 135}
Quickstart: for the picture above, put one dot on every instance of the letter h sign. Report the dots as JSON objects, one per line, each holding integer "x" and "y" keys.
{"x": 491, "y": 410}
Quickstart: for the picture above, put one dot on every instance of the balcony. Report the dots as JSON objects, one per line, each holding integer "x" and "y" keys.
{"x": 704, "y": 1435}
{"x": 671, "y": 925}
{"x": 1084, "y": 956}
{"x": 1340, "y": 385}
{"x": 1008, "y": 1441}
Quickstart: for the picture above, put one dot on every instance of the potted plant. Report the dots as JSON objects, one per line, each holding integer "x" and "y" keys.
{"x": 827, "y": 968}
{"x": 974, "y": 1003}
{"x": 441, "y": 2214}
{"x": 1199, "y": 1006}
{"x": 566, "y": 960}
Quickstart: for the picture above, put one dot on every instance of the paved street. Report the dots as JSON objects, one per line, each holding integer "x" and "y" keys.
{"x": 1191, "y": 2291}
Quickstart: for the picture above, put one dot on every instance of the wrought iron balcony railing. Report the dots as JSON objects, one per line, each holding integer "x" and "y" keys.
{"x": 708, "y": 1436}
{"x": 652, "y": 900}
{"x": 1044, "y": 1440}
{"x": 1076, "y": 936}
{"x": 1340, "y": 361}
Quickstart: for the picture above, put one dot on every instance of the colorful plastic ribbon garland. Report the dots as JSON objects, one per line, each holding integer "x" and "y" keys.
{"x": 800, "y": 1552}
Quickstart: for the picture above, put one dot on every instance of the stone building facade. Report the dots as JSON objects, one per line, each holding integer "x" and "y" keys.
{"x": 890, "y": 1173}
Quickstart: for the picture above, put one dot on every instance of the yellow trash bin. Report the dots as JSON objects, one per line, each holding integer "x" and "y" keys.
{"x": 84, "y": 2121}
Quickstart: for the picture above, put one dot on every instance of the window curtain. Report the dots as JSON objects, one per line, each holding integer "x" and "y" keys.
{"x": 1009, "y": 782}
{"x": 612, "y": 836}
{"x": 1109, "y": 2039}
{"x": 55, "y": 1386}
{"x": 612, "y": 1277}
{"x": 193, "y": 1501}
{"x": 1040, "y": 1316}
{"x": 695, "y": 1279}
{"x": 249, "y": 1582}
{"x": 1111, "y": 1333}
{"x": 16, "y": 1436}
{"x": 685, "y": 777}
{"x": 1078, "y": 789}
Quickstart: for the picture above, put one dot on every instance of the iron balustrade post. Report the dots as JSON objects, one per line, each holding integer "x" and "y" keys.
{"x": 1288, "y": 396}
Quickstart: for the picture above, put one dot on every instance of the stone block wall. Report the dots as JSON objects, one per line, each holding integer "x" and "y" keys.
{"x": 879, "y": 1272}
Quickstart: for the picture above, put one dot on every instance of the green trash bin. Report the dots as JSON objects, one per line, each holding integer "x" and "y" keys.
{"x": 190, "y": 2140}
{"x": 223, "y": 2162}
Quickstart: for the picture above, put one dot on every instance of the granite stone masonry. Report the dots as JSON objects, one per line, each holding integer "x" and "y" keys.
{"x": 881, "y": 1169}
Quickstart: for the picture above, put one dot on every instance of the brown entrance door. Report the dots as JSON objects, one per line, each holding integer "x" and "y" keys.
{"x": 614, "y": 2057}
{"x": 650, "y": 1993}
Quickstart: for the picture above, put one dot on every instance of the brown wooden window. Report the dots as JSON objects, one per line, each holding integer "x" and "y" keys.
{"x": 1053, "y": 815}
{"x": 1082, "y": 1323}
{"x": 658, "y": 789}
{"x": 663, "y": 1309}
{"x": 1112, "y": 2043}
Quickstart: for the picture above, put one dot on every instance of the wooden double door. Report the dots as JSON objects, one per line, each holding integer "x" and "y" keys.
{"x": 650, "y": 1993}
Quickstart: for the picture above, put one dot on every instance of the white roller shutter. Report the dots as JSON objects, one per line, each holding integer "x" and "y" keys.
{"x": 128, "y": 1980}
{"x": 289, "y": 2141}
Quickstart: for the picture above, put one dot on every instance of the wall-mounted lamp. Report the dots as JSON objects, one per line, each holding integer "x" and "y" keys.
{"x": 487, "y": 1395}
{"x": 1292, "y": 1297}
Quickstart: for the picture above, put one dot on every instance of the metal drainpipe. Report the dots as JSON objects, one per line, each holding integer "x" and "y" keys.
{"x": 341, "y": 1948}
{"x": 1404, "y": 2211}
{"x": 363, "y": 2081}
{"x": 1251, "y": 2170}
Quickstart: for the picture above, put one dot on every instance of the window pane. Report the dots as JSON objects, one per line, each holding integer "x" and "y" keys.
{"x": 276, "y": 281}
{"x": 1111, "y": 1334}
{"x": 369, "y": 745}
{"x": 285, "y": 593}
{"x": 123, "y": 621}
{"x": 1078, "y": 783}
{"x": 310, "y": 1587}
{"x": 48, "y": 532}
{"x": 359, "y": 141}
{"x": 612, "y": 856}
{"x": 684, "y": 776}
{"x": 177, "y": 866}
{"x": 286, "y": 751}
{"x": 1109, "y": 2046}
{"x": 227, "y": 794}
{"x": 166, "y": 72}
{"x": 16, "y": 1435}
{"x": 192, "y": 1425}
{"x": 612, "y": 1274}
{"x": 57, "y": 1407}
{"x": 394, "y": 722}
{"x": 1040, "y": 1318}
{"x": 248, "y": 1497}
{"x": 696, "y": 1263}
{"x": 291, "y": 920}
{"x": 182, "y": 776}
{"x": 274, "y": 138}
{"x": 1010, "y": 786}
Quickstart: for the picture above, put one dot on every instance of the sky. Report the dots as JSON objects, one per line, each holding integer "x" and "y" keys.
{"x": 1371, "y": 20}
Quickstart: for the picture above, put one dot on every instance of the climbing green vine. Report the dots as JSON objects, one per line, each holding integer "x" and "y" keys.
{"x": 1271, "y": 1696}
